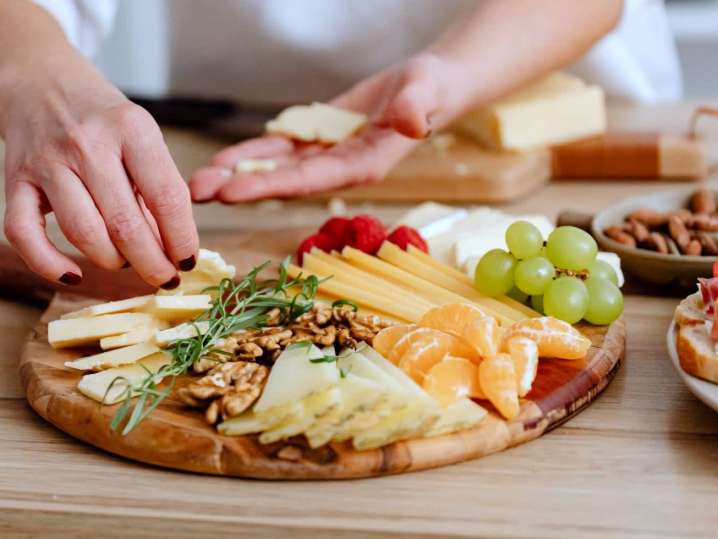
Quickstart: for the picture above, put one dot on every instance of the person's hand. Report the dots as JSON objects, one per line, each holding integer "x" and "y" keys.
{"x": 77, "y": 147}
{"x": 404, "y": 103}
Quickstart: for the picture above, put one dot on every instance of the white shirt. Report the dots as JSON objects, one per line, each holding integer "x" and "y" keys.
{"x": 282, "y": 51}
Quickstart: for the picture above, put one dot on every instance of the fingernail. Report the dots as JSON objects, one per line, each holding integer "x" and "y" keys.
{"x": 172, "y": 283}
{"x": 187, "y": 264}
{"x": 70, "y": 278}
{"x": 126, "y": 265}
{"x": 428, "y": 133}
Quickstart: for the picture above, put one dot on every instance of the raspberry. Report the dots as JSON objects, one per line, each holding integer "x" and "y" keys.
{"x": 338, "y": 229}
{"x": 405, "y": 236}
{"x": 320, "y": 241}
{"x": 366, "y": 233}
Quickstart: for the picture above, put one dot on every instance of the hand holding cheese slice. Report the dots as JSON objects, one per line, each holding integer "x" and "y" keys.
{"x": 317, "y": 123}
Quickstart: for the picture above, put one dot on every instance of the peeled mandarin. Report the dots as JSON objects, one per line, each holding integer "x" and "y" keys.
{"x": 555, "y": 338}
{"x": 451, "y": 317}
{"x": 497, "y": 378}
{"x": 427, "y": 350}
{"x": 484, "y": 335}
{"x": 403, "y": 344}
{"x": 386, "y": 339}
{"x": 524, "y": 353}
{"x": 451, "y": 379}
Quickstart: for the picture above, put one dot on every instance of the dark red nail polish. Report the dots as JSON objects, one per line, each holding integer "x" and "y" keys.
{"x": 126, "y": 265}
{"x": 70, "y": 278}
{"x": 188, "y": 264}
{"x": 172, "y": 283}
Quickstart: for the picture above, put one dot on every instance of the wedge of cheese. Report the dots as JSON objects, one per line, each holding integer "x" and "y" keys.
{"x": 176, "y": 308}
{"x": 122, "y": 306}
{"x": 110, "y": 386}
{"x": 187, "y": 330}
{"x": 210, "y": 270}
{"x": 460, "y": 415}
{"x": 246, "y": 423}
{"x": 560, "y": 108}
{"x": 317, "y": 123}
{"x": 316, "y": 407}
{"x": 114, "y": 358}
{"x": 81, "y": 331}
{"x": 144, "y": 334}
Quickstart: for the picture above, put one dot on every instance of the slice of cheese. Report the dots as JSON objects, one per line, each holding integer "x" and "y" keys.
{"x": 187, "y": 330}
{"x": 176, "y": 308}
{"x": 210, "y": 270}
{"x": 255, "y": 165}
{"x": 81, "y": 331}
{"x": 460, "y": 415}
{"x": 124, "y": 305}
{"x": 246, "y": 423}
{"x": 316, "y": 407}
{"x": 100, "y": 387}
{"x": 317, "y": 123}
{"x": 557, "y": 109}
{"x": 114, "y": 358}
{"x": 144, "y": 334}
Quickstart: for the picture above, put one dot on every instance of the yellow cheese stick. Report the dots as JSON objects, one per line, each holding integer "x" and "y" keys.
{"x": 344, "y": 291}
{"x": 394, "y": 255}
{"x": 418, "y": 283}
{"x": 462, "y": 277}
{"x": 351, "y": 275}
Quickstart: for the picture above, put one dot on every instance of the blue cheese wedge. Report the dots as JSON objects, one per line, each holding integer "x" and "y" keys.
{"x": 114, "y": 358}
{"x": 82, "y": 331}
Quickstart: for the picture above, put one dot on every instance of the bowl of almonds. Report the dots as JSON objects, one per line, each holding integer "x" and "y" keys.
{"x": 670, "y": 237}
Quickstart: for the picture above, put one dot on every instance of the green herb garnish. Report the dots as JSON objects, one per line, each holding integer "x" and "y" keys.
{"x": 341, "y": 302}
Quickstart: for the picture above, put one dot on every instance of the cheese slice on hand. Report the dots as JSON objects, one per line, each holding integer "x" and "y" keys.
{"x": 317, "y": 123}
{"x": 560, "y": 108}
{"x": 81, "y": 331}
{"x": 255, "y": 165}
{"x": 100, "y": 387}
{"x": 178, "y": 308}
{"x": 114, "y": 358}
{"x": 122, "y": 306}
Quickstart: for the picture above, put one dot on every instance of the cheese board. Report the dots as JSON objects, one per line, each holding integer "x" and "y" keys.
{"x": 176, "y": 436}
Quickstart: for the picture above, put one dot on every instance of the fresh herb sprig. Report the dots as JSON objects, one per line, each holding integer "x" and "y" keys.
{"x": 237, "y": 306}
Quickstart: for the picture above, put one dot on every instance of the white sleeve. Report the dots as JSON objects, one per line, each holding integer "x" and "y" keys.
{"x": 85, "y": 22}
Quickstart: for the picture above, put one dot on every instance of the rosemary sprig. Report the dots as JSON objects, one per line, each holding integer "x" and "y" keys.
{"x": 237, "y": 306}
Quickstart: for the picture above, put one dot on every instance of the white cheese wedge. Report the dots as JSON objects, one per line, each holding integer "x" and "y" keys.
{"x": 81, "y": 331}
{"x": 100, "y": 387}
{"x": 210, "y": 270}
{"x": 317, "y": 122}
{"x": 178, "y": 308}
{"x": 405, "y": 423}
{"x": 144, "y": 334}
{"x": 432, "y": 219}
{"x": 460, "y": 415}
{"x": 316, "y": 407}
{"x": 294, "y": 377}
{"x": 255, "y": 165}
{"x": 187, "y": 330}
{"x": 560, "y": 108}
{"x": 122, "y": 306}
{"x": 246, "y": 423}
{"x": 114, "y": 358}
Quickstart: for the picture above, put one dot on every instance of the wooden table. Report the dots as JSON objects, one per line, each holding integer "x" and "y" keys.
{"x": 639, "y": 462}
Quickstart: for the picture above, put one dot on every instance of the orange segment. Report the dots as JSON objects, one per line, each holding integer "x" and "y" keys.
{"x": 451, "y": 318}
{"x": 451, "y": 379}
{"x": 524, "y": 353}
{"x": 427, "y": 350}
{"x": 555, "y": 338}
{"x": 497, "y": 379}
{"x": 484, "y": 335}
{"x": 403, "y": 344}
{"x": 386, "y": 339}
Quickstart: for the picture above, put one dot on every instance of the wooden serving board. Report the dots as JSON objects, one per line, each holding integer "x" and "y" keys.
{"x": 176, "y": 437}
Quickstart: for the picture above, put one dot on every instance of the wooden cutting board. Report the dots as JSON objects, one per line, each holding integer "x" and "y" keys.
{"x": 176, "y": 437}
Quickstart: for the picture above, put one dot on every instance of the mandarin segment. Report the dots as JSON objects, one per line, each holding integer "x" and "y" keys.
{"x": 403, "y": 344}
{"x": 386, "y": 339}
{"x": 451, "y": 379}
{"x": 484, "y": 335}
{"x": 555, "y": 338}
{"x": 451, "y": 318}
{"x": 497, "y": 378}
{"x": 427, "y": 349}
{"x": 524, "y": 353}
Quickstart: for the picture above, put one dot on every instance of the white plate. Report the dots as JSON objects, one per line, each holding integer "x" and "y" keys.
{"x": 705, "y": 391}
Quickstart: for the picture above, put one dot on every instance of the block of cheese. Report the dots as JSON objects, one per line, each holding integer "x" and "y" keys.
{"x": 136, "y": 336}
{"x": 179, "y": 307}
{"x": 560, "y": 108}
{"x": 210, "y": 270}
{"x": 317, "y": 123}
{"x": 114, "y": 358}
{"x": 122, "y": 306}
{"x": 81, "y": 331}
{"x": 97, "y": 385}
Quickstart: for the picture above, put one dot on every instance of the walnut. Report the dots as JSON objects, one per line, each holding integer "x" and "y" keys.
{"x": 227, "y": 390}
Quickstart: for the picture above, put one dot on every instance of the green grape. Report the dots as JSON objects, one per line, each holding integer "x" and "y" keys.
{"x": 566, "y": 298}
{"x": 605, "y": 301}
{"x": 516, "y": 294}
{"x": 603, "y": 270}
{"x": 571, "y": 248}
{"x": 494, "y": 275}
{"x": 537, "y": 303}
{"x": 523, "y": 239}
{"x": 533, "y": 275}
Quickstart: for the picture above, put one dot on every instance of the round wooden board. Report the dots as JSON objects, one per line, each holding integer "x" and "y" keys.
{"x": 176, "y": 437}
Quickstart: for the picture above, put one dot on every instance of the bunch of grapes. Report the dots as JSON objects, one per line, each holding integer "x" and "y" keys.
{"x": 560, "y": 277}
